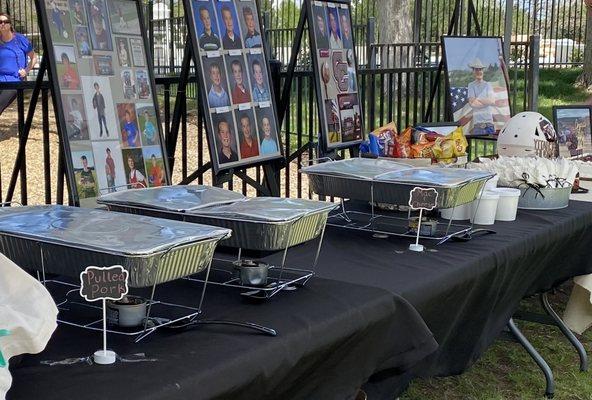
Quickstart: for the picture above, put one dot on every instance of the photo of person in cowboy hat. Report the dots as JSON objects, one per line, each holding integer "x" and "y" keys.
{"x": 481, "y": 99}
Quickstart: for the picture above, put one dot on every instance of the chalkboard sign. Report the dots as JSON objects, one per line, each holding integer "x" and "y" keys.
{"x": 423, "y": 199}
{"x": 104, "y": 283}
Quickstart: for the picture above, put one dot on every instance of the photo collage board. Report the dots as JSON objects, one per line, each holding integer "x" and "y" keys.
{"x": 104, "y": 90}
{"x": 334, "y": 61}
{"x": 235, "y": 82}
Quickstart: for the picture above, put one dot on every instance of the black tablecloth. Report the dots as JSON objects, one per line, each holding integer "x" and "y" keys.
{"x": 466, "y": 292}
{"x": 332, "y": 337}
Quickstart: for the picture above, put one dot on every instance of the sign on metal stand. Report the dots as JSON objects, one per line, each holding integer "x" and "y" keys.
{"x": 421, "y": 199}
{"x": 104, "y": 284}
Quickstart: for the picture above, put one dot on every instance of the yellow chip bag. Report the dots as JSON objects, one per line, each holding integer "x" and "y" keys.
{"x": 460, "y": 142}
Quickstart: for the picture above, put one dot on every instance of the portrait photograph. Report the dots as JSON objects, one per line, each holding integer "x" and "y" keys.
{"x": 128, "y": 84}
{"x": 137, "y": 49}
{"x": 328, "y": 83}
{"x": 67, "y": 68}
{"x": 124, "y": 17}
{"x": 98, "y": 25}
{"x": 268, "y": 137}
{"x": 478, "y": 89}
{"x": 103, "y": 65}
{"x": 249, "y": 23}
{"x": 214, "y": 75}
{"x": 572, "y": 125}
{"x": 100, "y": 111}
{"x": 135, "y": 168}
{"x": 206, "y": 26}
{"x": 332, "y": 117}
{"x": 85, "y": 174}
{"x": 60, "y": 24}
{"x": 225, "y": 139}
{"x": 321, "y": 30}
{"x": 229, "y": 25}
{"x": 75, "y": 114}
{"x": 260, "y": 89}
{"x": 346, "y": 28}
{"x": 123, "y": 52}
{"x": 77, "y": 12}
{"x": 83, "y": 49}
{"x": 128, "y": 124}
{"x": 142, "y": 84}
{"x": 335, "y": 41}
{"x": 247, "y": 133}
{"x": 240, "y": 89}
{"x": 109, "y": 166}
{"x": 155, "y": 171}
{"x": 148, "y": 124}
{"x": 350, "y": 117}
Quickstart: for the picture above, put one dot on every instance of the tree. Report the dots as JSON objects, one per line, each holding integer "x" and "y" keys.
{"x": 395, "y": 25}
{"x": 585, "y": 79}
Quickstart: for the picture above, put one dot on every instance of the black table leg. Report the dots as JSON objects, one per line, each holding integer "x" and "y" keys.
{"x": 566, "y": 331}
{"x": 538, "y": 359}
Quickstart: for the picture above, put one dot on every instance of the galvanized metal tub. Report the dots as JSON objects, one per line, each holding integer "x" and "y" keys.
{"x": 65, "y": 240}
{"x": 544, "y": 198}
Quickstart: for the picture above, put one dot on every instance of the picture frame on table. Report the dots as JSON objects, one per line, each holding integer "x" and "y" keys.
{"x": 573, "y": 126}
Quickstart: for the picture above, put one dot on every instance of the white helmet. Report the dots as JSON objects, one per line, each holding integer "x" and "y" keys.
{"x": 528, "y": 134}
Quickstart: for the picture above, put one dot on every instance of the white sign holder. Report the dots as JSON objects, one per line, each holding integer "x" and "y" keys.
{"x": 421, "y": 199}
{"x": 104, "y": 284}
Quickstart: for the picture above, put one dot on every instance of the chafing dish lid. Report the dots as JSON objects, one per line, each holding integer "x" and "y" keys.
{"x": 266, "y": 209}
{"x": 360, "y": 168}
{"x": 436, "y": 177}
{"x": 172, "y": 198}
{"x": 102, "y": 231}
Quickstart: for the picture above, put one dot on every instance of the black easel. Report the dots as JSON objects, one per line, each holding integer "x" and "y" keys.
{"x": 19, "y": 163}
{"x": 271, "y": 186}
{"x": 454, "y": 22}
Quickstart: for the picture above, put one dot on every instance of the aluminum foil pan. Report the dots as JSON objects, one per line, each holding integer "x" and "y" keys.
{"x": 65, "y": 240}
{"x": 547, "y": 199}
{"x": 356, "y": 168}
{"x": 349, "y": 179}
{"x": 263, "y": 223}
{"x": 173, "y": 198}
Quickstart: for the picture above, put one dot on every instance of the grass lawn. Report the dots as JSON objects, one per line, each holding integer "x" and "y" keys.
{"x": 556, "y": 88}
{"x": 507, "y": 372}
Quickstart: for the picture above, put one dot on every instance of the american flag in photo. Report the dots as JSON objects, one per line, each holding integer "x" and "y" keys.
{"x": 463, "y": 112}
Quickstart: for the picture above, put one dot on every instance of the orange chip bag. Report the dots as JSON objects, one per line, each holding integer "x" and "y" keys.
{"x": 423, "y": 150}
{"x": 403, "y": 144}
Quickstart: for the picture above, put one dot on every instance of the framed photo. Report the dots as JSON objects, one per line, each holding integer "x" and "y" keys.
{"x": 477, "y": 83}
{"x": 235, "y": 86}
{"x": 335, "y": 66}
{"x": 102, "y": 84}
{"x": 574, "y": 132}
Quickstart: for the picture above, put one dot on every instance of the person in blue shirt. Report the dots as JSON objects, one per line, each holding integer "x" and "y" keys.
{"x": 217, "y": 96}
{"x": 252, "y": 38}
{"x": 260, "y": 92}
{"x": 14, "y": 50}
{"x": 268, "y": 145}
{"x": 131, "y": 130}
{"x": 149, "y": 129}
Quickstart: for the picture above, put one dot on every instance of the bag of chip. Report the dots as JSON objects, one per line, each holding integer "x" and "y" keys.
{"x": 422, "y": 150}
{"x": 403, "y": 144}
{"x": 460, "y": 142}
{"x": 444, "y": 149}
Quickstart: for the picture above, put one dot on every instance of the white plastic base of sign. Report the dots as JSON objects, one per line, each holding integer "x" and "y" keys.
{"x": 416, "y": 247}
{"x": 104, "y": 357}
